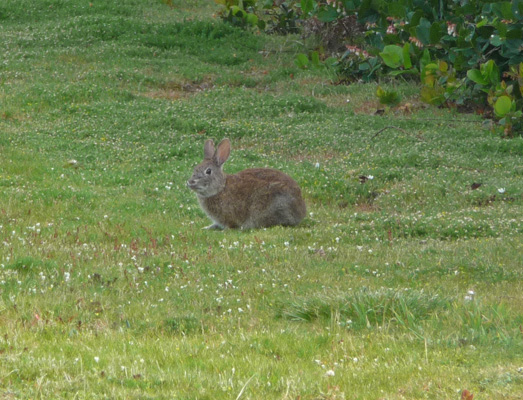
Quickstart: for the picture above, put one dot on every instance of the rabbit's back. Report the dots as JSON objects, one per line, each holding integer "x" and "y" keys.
{"x": 257, "y": 197}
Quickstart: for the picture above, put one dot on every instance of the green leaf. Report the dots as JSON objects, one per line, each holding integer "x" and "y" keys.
{"x": 515, "y": 33}
{"x": 350, "y": 5}
{"x": 490, "y": 71}
{"x": 495, "y": 41}
{"x": 423, "y": 31}
{"x": 252, "y": 19}
{"x": 411, "y": 71}
{"x": 261, "y": 24}
{"x": 388, "y": 97}
{"x": 268, "y": 4}
{"x": 302, "y": 61}
{"x": 475, "y": 76}
{"x": 407, "y": 63}
{"x": 432, "y": 66}
{"x": 516, "y": 59}
{"x": 512, "y": 47}
{"x": 392, "y": 56}
{"x": 315, "y": 58}
{"x": 503, "y": 9}
{"x": 502, "y": 106}
{"x": 481, "y": 23}
{"x": 235, "y": 10}
{"x": 485, "y": 32}
{"x": 425, "y": 58}
{"x": 486, "y": 68}
{"x": 415, "y": 18}
{"x": 432, "y": 95}
{"x": 501, "y": 27}
{"x": 428, "y": 74}
{"x": 397, "y": 9}
{"x": 435, "y": 33}
{"x": 328, "y": 15}
{"x": 307, "y": 6}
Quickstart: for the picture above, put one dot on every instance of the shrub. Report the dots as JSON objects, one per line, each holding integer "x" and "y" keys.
{"x": 462, "y": 51}
{"x": 273, "y": 16}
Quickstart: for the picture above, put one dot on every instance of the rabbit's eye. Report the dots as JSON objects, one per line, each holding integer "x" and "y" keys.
{"x": 208, "y": 171}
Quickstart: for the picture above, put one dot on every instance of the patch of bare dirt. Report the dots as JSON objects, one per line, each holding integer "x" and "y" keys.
{"x": 365, "y": 208}
{"x": 373, "y": 107}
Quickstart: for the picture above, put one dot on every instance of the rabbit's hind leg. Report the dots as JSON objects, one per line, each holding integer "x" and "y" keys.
{"x": 282, "y": 211}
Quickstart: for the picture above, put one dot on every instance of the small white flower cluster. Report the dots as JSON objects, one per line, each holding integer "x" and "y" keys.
{"x": 470, "y": 295}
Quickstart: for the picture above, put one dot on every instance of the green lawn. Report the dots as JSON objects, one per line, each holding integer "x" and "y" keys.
{"x": 407, "y": 285}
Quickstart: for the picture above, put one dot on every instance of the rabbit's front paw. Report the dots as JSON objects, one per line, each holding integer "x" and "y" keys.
{"x": 215, "y": 227}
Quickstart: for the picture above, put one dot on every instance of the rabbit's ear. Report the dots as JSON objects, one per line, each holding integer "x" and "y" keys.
{"x": 208, "y": 149}
{"x": 223, "y": 152}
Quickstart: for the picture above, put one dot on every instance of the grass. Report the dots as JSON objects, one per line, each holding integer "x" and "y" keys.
{"x": 109, "y": 287}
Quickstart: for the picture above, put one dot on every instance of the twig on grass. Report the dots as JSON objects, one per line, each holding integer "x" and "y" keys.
{"x": 244, "y": 386}
{"x": 389, "y": 127}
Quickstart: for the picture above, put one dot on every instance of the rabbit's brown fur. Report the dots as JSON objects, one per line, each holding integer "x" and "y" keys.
{"x": 252, "y": 198}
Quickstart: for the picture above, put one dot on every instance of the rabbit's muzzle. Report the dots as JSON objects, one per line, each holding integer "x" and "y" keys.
{"x": 192, "y": 184}
{"x": 197, "y": 186}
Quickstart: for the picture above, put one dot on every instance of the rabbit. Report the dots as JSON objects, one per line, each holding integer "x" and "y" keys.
{"x": 252, "y": 198}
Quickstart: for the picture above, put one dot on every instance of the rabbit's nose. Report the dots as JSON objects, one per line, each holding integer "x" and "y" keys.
{"x": 191, "y": 182}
